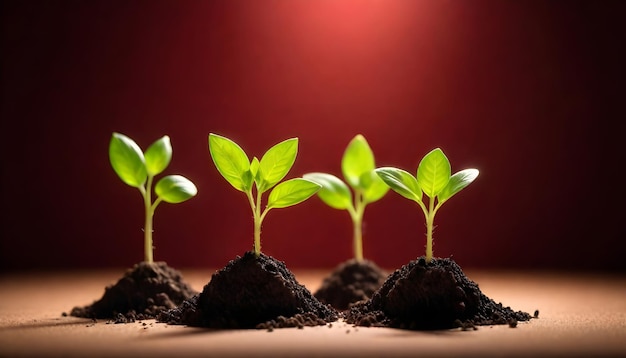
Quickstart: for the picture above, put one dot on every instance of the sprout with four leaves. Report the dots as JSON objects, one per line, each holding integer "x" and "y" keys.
{"x": 258, "y": 176}
{"x": 358, "y": 168}
{"x": 138, "y": 169}
{"x": 434, "y": 180}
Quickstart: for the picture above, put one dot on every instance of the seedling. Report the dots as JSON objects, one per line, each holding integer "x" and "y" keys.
{"x": 358, "y": 167}
{"x": 258, "y": 176}
{"x": 434, "y": 180}
{"x": 138, "y": 169}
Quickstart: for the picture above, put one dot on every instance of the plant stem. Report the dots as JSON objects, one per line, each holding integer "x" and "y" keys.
{"x": 257, "y": 237}
{"x": 147, "y": 230}
{"x": 257, "y": 225}
{"x": 358, "y": 243}
{"x": 258, "y": 219}
{"x": 357, "y": 221}
{"x": 430, "y": 218}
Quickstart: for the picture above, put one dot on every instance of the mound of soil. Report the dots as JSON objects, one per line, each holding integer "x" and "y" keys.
{"x": 142, "y": 293}
{"x": 350, "y": 282}
{"x": 435, "y": 295}
{"x": 252, "y": 292}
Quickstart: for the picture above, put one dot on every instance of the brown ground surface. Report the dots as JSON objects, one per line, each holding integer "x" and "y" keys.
{"x": 580, "y": 316}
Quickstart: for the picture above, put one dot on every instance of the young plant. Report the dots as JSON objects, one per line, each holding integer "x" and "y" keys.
{"x": 258, "y": 176}
{"x": 434, "y": 180}
{"x": 358, "y": 167}
{"x": 138, "y": 169}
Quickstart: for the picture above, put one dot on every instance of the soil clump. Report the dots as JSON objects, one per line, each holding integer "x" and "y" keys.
{"x": 252, "y": 292}
{"x": 428, "y": 296}
{"x": 142, "y": 293}
{"x": 351, "y": 282}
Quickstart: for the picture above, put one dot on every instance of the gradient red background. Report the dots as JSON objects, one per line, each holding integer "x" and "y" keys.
{"x": 529, "y": 92}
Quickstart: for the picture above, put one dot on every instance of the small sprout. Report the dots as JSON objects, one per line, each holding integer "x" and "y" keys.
{"x": 434, "y": 180}
{"x": 256, "y": 177}
{"x": 138, "y": 169}
{"x": 358, "y": 168}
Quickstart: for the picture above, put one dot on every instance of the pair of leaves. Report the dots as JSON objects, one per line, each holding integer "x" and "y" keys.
{"x": 357, "y": 165}
{"x": 433, "y": 178}
{"x": 134, "y": 167}
{"x": 233, "y": 164}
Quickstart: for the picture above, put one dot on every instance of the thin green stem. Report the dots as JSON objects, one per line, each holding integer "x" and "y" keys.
{"x": 358, "y": 241}
{"x": 146, "y": 192}
{"x": 257, "y": 221}
{"x": 257, "y": 237}
{"x": 251, "y": 201}
{"x": 430, "y": 218}
{"x": 357, "y": 221}
{"x": 155, "y": 204}
{"x": 257, "y": 225}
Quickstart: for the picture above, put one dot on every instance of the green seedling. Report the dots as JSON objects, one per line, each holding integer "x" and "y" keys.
{"x": 358, "y": 168}
{"x": 138, "y": 169}
{"x": 434, "y": 180}
{"x": 258, "y": 176}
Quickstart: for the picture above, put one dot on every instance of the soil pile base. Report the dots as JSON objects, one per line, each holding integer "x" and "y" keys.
{"x": 142, "y": 293}
{"x": 435, "y": 295}
{"x": 252, "y": 292}
{"x": 350, "y": 282}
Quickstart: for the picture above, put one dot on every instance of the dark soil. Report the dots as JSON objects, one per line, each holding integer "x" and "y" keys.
{"x": 142, "y": 293}
{"x": 436, "y": 295}
{"x": 252, "y": 292}
{"x": 350, "y": 282}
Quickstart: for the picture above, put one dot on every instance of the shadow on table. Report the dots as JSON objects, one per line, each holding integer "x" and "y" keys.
{"x": 397, "y": 332}
{"x": 187, "y": 331}
{"x": 51, "y": 322}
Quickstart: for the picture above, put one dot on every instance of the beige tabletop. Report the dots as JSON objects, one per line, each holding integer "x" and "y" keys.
{"x": 580, "y": 316}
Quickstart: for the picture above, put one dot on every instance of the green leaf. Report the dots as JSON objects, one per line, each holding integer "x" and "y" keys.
{"x": 158, "y": 156}
{"x": 457, "y": 183}
{"x": 276, "y": 162}
{"x": 402, "y": 182}
{"x": 291, "y": 192}
{"x": 334, "y": 192}
{"x": 375, "y": 189}
{"x": 127, "y": 160}
{"x": 175, "y": 189}
{"x": 357, "y": 160}
{"x": 433, "y": 173}
{"x": 254, "y": 167}
{"x": 231, "y": 161}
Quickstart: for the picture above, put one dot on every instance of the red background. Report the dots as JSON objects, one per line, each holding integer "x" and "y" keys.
{"x": 529, "y": 92}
